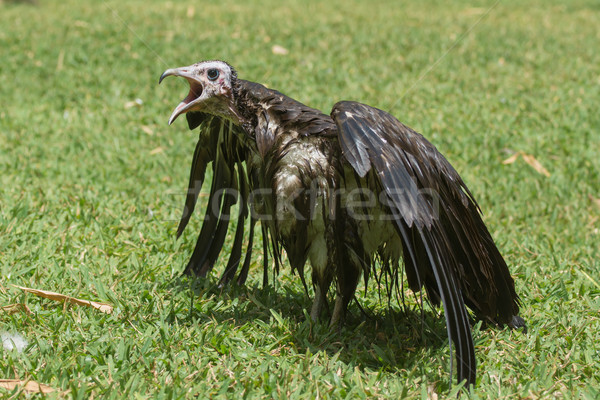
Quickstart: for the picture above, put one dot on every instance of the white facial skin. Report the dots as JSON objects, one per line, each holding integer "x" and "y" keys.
{"x": 210, "y": 90}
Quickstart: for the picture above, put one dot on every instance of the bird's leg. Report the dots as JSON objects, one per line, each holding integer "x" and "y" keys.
{"x": 346, "y": 286}
{"x": 339, "y": 312}
{"x": 320, "y": 300}
{"x": 321, "y": 282}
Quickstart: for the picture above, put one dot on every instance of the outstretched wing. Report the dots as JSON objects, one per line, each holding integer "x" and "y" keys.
{"x": 203, "y": 155}
{"x": 217, "y": 144}
{"x": 447, "y": 247}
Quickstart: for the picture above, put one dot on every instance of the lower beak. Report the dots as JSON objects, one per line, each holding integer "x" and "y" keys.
{"x": 177, "y": 112}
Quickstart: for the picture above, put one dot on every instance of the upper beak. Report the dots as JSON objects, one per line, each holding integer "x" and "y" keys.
{"x": 195, "y": 90}
{"x": 169, "y": 72}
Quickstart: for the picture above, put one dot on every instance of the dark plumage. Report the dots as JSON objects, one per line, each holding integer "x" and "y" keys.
{"x": 343, "y": 190}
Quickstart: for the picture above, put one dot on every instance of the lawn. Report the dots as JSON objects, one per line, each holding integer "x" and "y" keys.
{"x": 92, "y": 180}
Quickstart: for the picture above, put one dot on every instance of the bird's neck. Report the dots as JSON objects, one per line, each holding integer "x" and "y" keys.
{"x": 247, "y": 103}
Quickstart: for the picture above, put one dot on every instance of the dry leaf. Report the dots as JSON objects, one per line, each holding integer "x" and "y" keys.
{"x": 15, "y": 308}
{"x": 535, "y": 164}
{"x": 105, "y": 308}
{"x": 60, "y": 60}
{"x": 279, "y": 50}
{"x": 28, "y": 386}
{"x": 156, "y": 150}
{"x": 529, "y": 159}
{"x": 191, "y": 11}
{"x": 431, "y": 393}
{"x": 595, "y": 201}
{"x": 147, "y": 130}
{"x": 511, "y": 159}
{"x": 276, "y": 352}
{"x": 134, "y": 103}
{"x": 590, "y": 278}
{"x": 81, "y": 24}
{"x": 474, "y": 11}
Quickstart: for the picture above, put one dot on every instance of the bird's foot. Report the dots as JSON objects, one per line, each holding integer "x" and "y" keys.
{"x": 517, "y": 323}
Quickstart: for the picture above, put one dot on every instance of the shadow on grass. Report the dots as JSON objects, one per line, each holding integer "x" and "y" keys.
{"x": 393, "y": 338}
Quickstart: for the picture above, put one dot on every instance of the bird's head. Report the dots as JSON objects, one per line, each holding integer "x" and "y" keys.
{"x": 212, "y": 89}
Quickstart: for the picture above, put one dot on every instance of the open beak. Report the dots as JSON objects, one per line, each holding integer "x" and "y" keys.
{"x": 193, "y": 97}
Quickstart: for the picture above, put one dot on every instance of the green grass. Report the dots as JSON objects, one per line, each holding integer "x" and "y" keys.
{"x": 90, "y": 192}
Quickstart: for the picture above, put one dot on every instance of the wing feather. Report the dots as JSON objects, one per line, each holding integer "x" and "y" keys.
{"x": 213, "y": 226}
{"x": 203, "y": 154}
{"x": 447, "y": 247}
{"x": 236, "y": 249}
{"x": 224, "y": 184}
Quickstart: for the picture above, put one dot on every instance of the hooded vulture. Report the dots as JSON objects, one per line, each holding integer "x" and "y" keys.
{"x": 354, "y": 192}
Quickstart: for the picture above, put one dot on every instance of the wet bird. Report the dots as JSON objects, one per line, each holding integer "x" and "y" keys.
{"x": 356, "y": 193}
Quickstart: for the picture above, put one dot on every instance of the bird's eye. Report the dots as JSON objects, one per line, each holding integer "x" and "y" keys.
{"x": 212, "y": 74}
